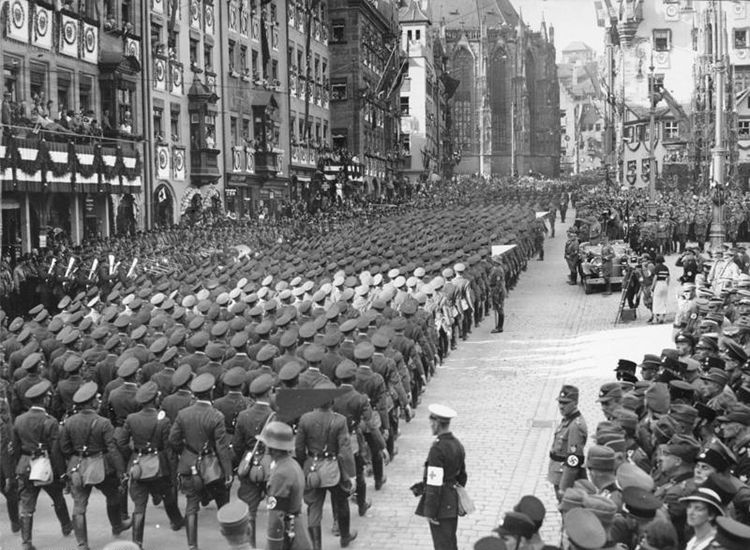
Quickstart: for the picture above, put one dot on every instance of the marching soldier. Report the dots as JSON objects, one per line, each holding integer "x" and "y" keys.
{"x": 87, "y": 435}
{"x": 197, "y": 433}
{"x": 286, "y": 486}
{"x": 445, "y": 467}
{"x": 498, "y": 293}
{"x": 148, "y": 431}
{"x": 566, "y": 455}
{"x": 572, "y": 249}
{"x": 35, "y": 435}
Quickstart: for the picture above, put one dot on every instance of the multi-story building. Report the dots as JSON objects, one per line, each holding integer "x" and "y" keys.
{"x": 366, "y": 70}
{"x": 505, "y": 111}
{"x": 419, "y": 100}
{"x": 71, "y": 154}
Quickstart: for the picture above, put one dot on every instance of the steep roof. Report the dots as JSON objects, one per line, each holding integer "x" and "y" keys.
{"x": 457, "y": 14}
{"x": 412, "y": 13}
{"x": 577, "y": 47}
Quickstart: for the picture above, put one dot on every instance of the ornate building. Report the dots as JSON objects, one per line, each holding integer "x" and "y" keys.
{"x": 505, "y": 111}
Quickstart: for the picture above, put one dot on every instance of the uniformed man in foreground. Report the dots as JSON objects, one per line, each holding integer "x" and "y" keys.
{"x": 566, "y": 455}
{"x": 286, "y": 523}
{"x": 445, "y": 467}
{"x": 498, "y": 292}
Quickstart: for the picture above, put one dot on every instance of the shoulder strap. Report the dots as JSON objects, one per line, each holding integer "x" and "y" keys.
{"x": 328, "y": 431}
{"x": 257, "y": 441}
{"x": 88, "y": 435}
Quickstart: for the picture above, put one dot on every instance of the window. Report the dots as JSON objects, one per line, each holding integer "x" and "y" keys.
{"x": 658, "y": 82}
{"x": 744, "y": 129}
{"x": 172, "y": 42}
{"x": 243, "y": 60}
{"x": 741, "y": 39}
{"x": 598, "y": 126}
{"x": 193, "y": 52}
{"x": 338, "y": 90}
{"x": 301, "y": 62}
{"x": 274, "y": 71}
{"x": 208, "y": 56}
{"x": 10, "y": 77}
{"x": 230, "y": 56}
{"x": 64, "y": 99}
{"x": 408, "y": 35}
{"x": 126, "y": 13}
{"x": 671, "y": 129}
{"x": 255, "y": 67}
{"x": 404, "y": 105}
{"x": 174, "y": 124}
{"x": 337, "y": 31}
{"x": 662, "y": 40}
{"x": 38, "y": 80}
{"x": 246, "y": 131}
{"x": 158, "y": 122}
{"x": 325, "y": 132}
{"x": 233, "y": 130}
{"x": 417, "y": 35}
{"x": 85, "y": 87}
{"x": 340, "y": 138}
{"x": 156, "y": 44}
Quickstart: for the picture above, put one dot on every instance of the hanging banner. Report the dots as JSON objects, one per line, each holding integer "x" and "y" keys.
{"x": 160, "y": 74}
{"x": 208, "y": 18}
{"x": 18, "y": 21}
{"x": 162, "y": 162}
{"x": 632, "y": 175}
{"x": 157, "y": 6}
{"x": 69, "y": 31}
{"x": 133, "y": 48}
{"x": 195, "y": 14}
{"x": 41, "y": 32}
{"x": 178, "y": 164}
{"x": 90, "y": 50}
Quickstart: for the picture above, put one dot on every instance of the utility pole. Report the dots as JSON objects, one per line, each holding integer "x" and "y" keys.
{"x": 716, "y": 233}
{"x": 481, "y": 88}
{"x": 652, "y": 206}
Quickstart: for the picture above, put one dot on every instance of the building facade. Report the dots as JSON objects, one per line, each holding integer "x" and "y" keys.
{"x": 505, "y": 110}
{"x": 71, "y": 154}
{"x": 365, "y": 76}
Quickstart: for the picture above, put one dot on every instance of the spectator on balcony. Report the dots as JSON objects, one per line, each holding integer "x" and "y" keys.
{"x": 40, "y": 115}
{"x": 126, "y": 127}
{"x": 6, "y": 116}
{"x": 107, "y": 123}
{"x": 210, "y": 140}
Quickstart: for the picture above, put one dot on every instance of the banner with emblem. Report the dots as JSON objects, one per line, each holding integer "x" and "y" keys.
{"x": 160, "y": 74}
{"x": 18, "y": 21}
{"x": 133, "y": 48}
{"x": 646, "y": 169}
{"x": 69, "y": 31}
{"x": 90, "y": 39}
{"x": 631, "y": 174}
{"x": 157, "y": 6}
{"x": 178, "y": 164}
{"x": 208, "y": 18}
{"x": 195, "y": 14}
{"x": 41, "y": 30}
{"x": 162, "y": 162}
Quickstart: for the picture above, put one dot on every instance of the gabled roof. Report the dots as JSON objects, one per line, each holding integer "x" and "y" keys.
{"x": 412, "y": 13}
{"x": 457, "y": 14}
{"x": 577, "y": 47}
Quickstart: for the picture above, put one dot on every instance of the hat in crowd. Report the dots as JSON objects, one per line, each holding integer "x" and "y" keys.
{"x": 441, "y": 412}
{"x": 717, "y": 376}
{"x": 234, "y": 377}
{"x": 734, "y": 350}
{"x": 739, "y": 413}
{"x": 600, "y": 458}
{"x": 490, "y": 543}
{"x": 572, "y": 498}
{"x": 718, "y": 455}
{"x": 39, "y": 389}
{"x": 650, "y": 362}
{"x": 261, "y": 384}
{"x": 128, "y": 367}
{"x": 533, "y": 508}
{"x": 631, "y": 476}
{"x": 147, "y": 392}
{"x": 640, "y": 503}
{"x": 584, "y": 529}
{"x": 516, "y": 524}
{"x": 683, "y": 446}
{"x": 707, "y": 496}
{"x": 278, "y": 435}
{"x": 731, "y": 534}
{"x": 181, "y": 375}
{"x": 657, "y": 397}
{"x": 288, "y": 372}
{"x": 568, "y": 394}
{"x": 346, "y": 370}
{"x": 603, "y": 507}
{"x": 85, "y": 393}
{"x": 202, "y": 383}
{"x": 679, "y": 390}
{"x": 609, "y": 391}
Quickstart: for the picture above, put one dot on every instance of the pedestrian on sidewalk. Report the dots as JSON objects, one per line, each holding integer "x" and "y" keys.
{"x": 566, "y": 455}
{"x": 445, "y": 468}
{"x": 660, "y": 290}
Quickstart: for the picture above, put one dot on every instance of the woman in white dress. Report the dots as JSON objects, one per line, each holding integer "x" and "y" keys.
{"x": 660, "y": 290}
{"x": 703, "y": 507}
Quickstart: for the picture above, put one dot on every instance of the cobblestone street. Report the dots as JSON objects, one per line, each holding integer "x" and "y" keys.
{"x": 503, "y": 387}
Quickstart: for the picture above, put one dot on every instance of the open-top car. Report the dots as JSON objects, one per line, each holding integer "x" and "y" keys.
{"x": 591, "y": 264}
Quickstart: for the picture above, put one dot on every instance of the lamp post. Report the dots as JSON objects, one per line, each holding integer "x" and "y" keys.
{"x": 716, "y": 233}
{"x": 653, "y": 100}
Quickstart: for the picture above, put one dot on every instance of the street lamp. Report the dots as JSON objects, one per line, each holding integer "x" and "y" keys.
{"x": 653, "y": 99}
{"x": 716, "y": 233}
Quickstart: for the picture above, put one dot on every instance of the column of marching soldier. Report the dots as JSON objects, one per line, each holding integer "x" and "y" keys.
{"x": 170, "y": 383}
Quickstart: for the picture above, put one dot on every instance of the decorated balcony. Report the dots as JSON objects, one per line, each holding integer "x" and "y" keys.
{"x": 37, "y": 165}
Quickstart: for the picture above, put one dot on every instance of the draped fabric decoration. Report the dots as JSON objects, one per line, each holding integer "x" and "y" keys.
{"x": 41, "y": 31}
{"x": 17, "y": 21}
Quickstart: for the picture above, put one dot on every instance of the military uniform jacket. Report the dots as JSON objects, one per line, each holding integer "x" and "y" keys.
{"x": 445, "y": 467}
{"x": 310, "y": 377}
{"x": 386, "y": 367}
{"x": 286, "y": 486}
{"x": 567, "y": 446}
{"x": 19, "y": 403}
{"x": 148, "y": 431}
{"x": 249, "y": 424}
{"x": 328, "y": 365}
{"x": 163, "y": 379}
{"x": 175, "y": 402}
{"x": 372, "y": 385}
{"x": 355, "y": 407}
{"x": 322, "y": 432}
{"x": 62, "y": 401}
{"x": 122, "y": 403}
{"x": 105, "y": 371}
{"x": 231, "y": 405}
{"x": 35, "y": 431}
{"x": 196, "y": 426}
{"x": 87, "y": 429}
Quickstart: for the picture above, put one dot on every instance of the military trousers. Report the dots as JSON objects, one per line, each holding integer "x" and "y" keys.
{"x": 444, "y": 534}
{"x": 194, "y": 489}
{"x": 29, "y": 493}
{"x": 251, "y": 494}
{"x": 160, "y": 488}
{"x": 110, "y": 488}
{"x": 314, "y": 498}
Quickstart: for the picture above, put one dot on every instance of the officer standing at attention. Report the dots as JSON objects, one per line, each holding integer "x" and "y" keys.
{"x": 566, "y": 455}
{"x": 286, "y": 523}
{"x": 197, "y": 430}
{"x": 86, "y": 434}
{"x": 35, "y": 434}
{"x": 445, "y": 467}
{"x": 498, "y": 292}
{"x": 149, "y": 432}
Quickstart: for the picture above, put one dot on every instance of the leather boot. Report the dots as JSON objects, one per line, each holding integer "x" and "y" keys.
{"x": 316, "y": 537}
{"x": 347, "y": 535}
{"x": 139, "y": 522}
{"x": 12, "y": 504}
{"x": 124, "y": 505}
{"x": 191, "y": 529}
{"x": 61, "y": 511}
{"x": 251, "y": 531}
{"x": 27, "y": 523}
{"x": 79, "y": 528}
{"x": 115, "y": 518}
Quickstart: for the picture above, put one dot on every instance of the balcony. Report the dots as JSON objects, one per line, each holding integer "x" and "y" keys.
{"x": 204, "y": 166}
{"x": 266, "y": 164}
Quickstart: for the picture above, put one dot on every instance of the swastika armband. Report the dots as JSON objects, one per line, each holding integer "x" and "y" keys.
{"x": 574, "y": 461}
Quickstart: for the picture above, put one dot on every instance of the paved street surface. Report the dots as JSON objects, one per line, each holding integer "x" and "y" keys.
{"x": 503, "y": 387}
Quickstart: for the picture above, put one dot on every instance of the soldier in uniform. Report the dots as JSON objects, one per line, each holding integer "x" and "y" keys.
{"x": 286, "y": 486}
{"x": 87, "y": 434}
{"x": 323, "y": 433}
{"x": 608, "y": 255}
{"x": 249, "y": 425}
{"x": 181, "y": 397}
{"x": 35, "y": 434}
{"x": 498, "y": 292}
{"x": 199, "y": 430}
{"x": 566, "y": 455}
{"x": 445, "y": 467}
{"x": 233, "y": 403}
{"x": 572, "y": 247}
{"x": 148, "y": 430}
